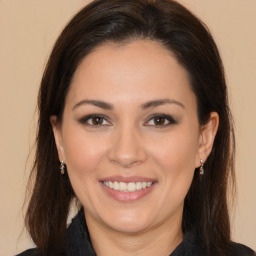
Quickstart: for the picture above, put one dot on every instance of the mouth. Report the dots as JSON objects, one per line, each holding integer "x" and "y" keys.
{"x": 127, "y": 187}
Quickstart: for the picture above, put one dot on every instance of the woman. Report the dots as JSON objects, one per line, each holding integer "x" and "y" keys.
{"x": 133, "y": 122}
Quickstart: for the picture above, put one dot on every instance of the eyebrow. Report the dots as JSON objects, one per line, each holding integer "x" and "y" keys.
{"x": 97, "y": 103}
{"x": 108, "y": 106}
{"x": 156, "y": 103}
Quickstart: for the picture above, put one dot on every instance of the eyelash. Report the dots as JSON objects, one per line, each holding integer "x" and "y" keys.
{"x": 85, "y": 120}
{"x": 166, "y": 118}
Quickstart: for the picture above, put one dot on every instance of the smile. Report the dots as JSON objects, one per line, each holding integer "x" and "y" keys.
{"x": 127, "y": 187}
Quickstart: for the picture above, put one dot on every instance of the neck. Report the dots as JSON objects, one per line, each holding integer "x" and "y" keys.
{"x": 160, "y": 240}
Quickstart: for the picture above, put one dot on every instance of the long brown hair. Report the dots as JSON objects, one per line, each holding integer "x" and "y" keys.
{"x": 164, "y": 21}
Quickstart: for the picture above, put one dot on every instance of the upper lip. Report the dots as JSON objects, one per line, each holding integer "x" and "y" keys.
{"x": 127, "y": 179}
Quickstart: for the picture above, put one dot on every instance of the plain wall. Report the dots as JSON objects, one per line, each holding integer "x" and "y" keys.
{"x": 28, "y": 29}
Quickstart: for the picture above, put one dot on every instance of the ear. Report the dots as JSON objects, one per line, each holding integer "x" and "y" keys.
{"x": 58, "y": 137}
{"x": 207, "y": 136}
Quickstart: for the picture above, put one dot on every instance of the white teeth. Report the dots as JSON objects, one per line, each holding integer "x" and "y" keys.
{"x": 131, "y": 187}
{"x": 127, "y": 187}
{"x": 116, "y": 185}
{"x": 139, "y": 185}
{"x": 123, "y": 186}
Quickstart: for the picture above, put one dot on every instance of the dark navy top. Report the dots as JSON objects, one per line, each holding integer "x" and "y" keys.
{"x": 80, "y": 245}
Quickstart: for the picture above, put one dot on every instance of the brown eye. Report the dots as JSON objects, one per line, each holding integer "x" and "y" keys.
{"x": 159, "y": 120}
{"x": 97, "y": 120}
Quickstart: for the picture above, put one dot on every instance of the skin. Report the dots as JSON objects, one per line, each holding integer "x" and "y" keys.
{"x": 129, "y": 142}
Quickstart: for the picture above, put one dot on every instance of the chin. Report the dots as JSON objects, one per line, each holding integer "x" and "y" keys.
{"x": 125, "y": 221}
{"x": 129, "y": 226}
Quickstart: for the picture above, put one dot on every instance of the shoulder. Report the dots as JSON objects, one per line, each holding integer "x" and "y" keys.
{"x": 36, "y": 252}
{"x": 192, "y": 245}
{"x": 30, "y": 252}
{"x": 240, "y": 250}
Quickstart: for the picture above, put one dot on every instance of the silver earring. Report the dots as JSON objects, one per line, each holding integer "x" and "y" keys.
{"x": 201, "y": 172}
{"x": 62, "y": 167}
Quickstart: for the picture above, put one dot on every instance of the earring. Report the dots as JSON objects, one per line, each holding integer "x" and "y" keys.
{"x": 201, "y": 172}
{"x": 62, "y": 167}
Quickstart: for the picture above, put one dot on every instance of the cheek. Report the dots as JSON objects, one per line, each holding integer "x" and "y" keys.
{"x": 83, "y": 155}
{"x": 83, "y": 152}
{"x": 176, "y": 158}
{"x": 177, "y": 150}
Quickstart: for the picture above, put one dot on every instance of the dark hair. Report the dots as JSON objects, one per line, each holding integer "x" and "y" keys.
{"x": 121, "y": 21}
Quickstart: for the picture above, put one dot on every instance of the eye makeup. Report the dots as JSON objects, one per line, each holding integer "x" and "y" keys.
{"x": 156, "y": 120}
{"x": 160, "y": 120}
{"x": 95, "y": 120}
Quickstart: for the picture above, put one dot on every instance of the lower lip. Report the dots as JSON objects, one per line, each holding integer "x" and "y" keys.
{"x": 127, "y": 196}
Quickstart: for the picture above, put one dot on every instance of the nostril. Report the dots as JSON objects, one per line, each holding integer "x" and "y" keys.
{"x": 127, "y": 148}
{"x": 128, "y": 160}
{"x": 125, "y": 162}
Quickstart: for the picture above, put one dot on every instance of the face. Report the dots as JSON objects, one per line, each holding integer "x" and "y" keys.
{"x": 130, "y": 136}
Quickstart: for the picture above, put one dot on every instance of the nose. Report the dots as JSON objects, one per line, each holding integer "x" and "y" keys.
{"x": 127, "y": 149}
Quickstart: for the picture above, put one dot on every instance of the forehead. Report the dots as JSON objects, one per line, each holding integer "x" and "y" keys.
{"x": 130, "y": 72}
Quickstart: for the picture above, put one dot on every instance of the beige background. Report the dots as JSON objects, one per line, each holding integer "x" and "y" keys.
{"x": 28, "y": 29}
